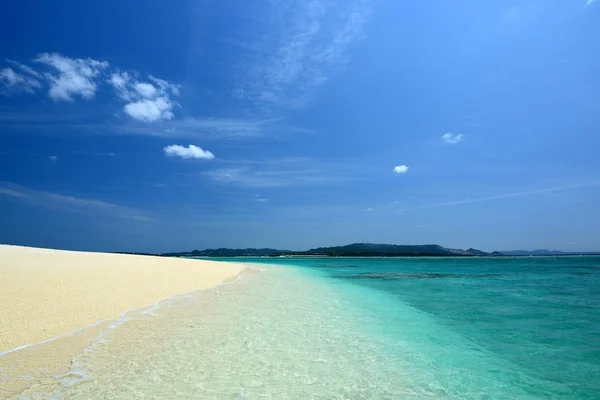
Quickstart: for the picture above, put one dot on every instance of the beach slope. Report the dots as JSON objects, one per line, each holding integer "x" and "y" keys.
{"x": 47, "y": 293}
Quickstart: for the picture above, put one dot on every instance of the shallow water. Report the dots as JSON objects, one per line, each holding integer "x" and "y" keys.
{"x": 358, "y": 329}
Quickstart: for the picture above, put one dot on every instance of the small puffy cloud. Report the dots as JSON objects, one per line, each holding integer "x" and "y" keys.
{"x": 368, "y": 209}
{"x": 53, "y": 158}
{"x": 146, "y": 102}
{"x": 400, "y": 169}
{"x": 14, "y": 82}
{"x": 451, "y": 138}
{"x": 191, "y": 151}
{"x": 71, "y": 76}
{"x": 150, "y": 110}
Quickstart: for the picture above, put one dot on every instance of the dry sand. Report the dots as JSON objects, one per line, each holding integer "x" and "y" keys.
{"x": 47, "y": 293}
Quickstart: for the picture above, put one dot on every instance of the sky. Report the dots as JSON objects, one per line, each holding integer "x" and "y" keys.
{"x": 160, "y": 126}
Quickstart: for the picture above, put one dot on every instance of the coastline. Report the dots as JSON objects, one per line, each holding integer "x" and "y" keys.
{"x": 281, "y": 328}
{"x": 45, "y": 294}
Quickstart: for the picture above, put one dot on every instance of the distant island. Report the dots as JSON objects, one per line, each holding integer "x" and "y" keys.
{"x": 369, "y": 250}
{"x": 351, "y": 250}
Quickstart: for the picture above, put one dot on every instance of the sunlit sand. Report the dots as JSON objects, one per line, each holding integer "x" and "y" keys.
{"x": 47, "y": 293}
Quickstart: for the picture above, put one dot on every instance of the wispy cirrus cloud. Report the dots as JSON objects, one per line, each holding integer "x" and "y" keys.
{"x": 215, "y": 128}
{"x": 287, "y": 172}
{"x": 71, "y": 203}
{"x": 190, "y": 151}
{"x": 191, "y": 128}
{"x": 500, "y": 196}
{"x": 259, "y": 199}
{"x": 26, "y": 69}
{"x": 303, "y": 44}
{"x": 71, "y": 77}
{"x": 589, "y": 2}
{"x": 12, "y": 81}
{"x": 452, "y": 138}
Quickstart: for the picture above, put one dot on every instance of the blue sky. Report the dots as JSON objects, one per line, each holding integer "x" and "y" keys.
{"x": 166, "y": 126}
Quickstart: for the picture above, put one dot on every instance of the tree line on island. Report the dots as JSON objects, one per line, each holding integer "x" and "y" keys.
{"x": 351, "y": 250}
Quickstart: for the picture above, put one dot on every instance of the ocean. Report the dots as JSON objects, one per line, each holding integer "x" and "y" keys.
{"x": 358, "y": 328}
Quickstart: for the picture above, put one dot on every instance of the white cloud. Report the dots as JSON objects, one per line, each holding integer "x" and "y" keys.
{"x": 72, "y": 76}
{"x": 146, "y": 102}
{"x": 452, "y": 139}
{"x": 146, "y": 90}
{"x": 53, "y": 158}
{"x": 368, "y": 209}
{"x": 589, "y": 2}
{"x": 150, "y": 110}
{"x": 69, "y": 78}
{"x": 191, "y": 151}
{"x": 14, "y": 82}
{"x": 400, "y": 169}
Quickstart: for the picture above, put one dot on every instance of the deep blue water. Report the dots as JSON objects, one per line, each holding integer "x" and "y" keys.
{"x": 527, "y": 326}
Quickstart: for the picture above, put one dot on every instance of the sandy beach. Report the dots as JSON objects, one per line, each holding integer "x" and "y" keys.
{"x": 47, "y": 293}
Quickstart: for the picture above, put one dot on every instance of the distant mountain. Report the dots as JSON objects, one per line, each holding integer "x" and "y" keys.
{"x": 373, "y": 249}
{"x": 351, "y": 250}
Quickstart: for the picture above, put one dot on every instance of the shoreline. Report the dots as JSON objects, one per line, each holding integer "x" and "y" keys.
{"x": 49, "y": 294}
{"x": 50, "y": 366}
{"x": 124, "y": 316}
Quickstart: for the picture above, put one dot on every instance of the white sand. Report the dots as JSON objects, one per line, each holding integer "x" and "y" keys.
{"x": 47, "y": 293}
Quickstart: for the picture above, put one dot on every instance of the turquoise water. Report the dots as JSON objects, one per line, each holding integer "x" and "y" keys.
{"x": 482, "y": 327}
{"x": 523, "y": 328}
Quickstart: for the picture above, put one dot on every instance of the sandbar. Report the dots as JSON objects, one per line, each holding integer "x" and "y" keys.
{"x": 46, "y": 293}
